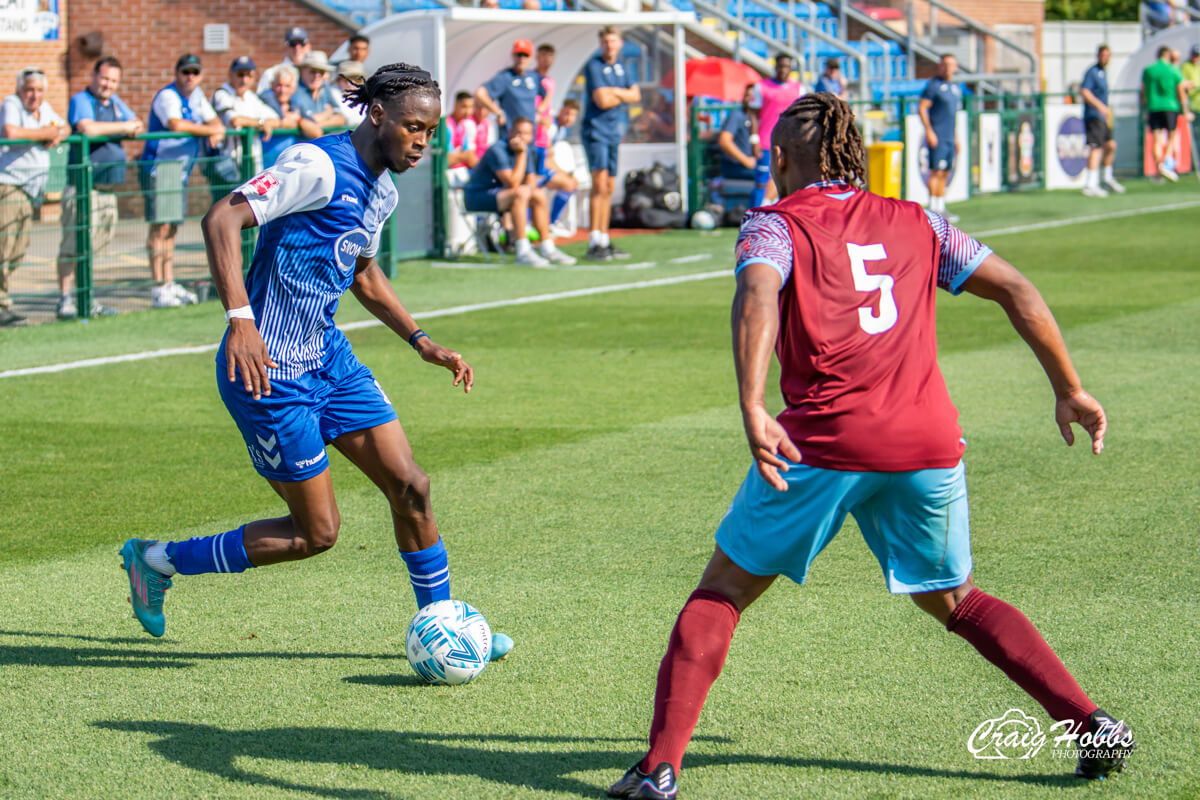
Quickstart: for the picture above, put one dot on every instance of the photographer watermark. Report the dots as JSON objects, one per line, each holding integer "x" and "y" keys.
{"x": 1016, "y": 735}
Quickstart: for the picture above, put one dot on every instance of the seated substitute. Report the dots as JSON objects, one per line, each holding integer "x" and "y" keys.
{"x": 498, "y": 183}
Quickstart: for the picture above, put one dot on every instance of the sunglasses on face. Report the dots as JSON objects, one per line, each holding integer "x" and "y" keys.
{"x": 297, "y": 42}
{"x": 189, "y": 72}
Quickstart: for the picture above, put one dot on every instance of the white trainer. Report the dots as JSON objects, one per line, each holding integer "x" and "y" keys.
{"x": 163, "y": 297}
{"x": 1112, "y": 185}
{"x": 1094, "y": 191}
{"x": 186, "y": 296}
{"x": 551, "y": 253}
{"x": 1168, "y": 173}
{"x": 531, "y": 258}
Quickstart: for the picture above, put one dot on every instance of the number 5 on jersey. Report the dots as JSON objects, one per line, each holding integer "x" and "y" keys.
{"x": 865, "y": 281}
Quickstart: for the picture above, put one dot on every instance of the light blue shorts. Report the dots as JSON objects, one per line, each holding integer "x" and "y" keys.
{"x": 916, "y": 523}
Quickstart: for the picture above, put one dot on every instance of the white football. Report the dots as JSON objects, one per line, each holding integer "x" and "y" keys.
{"x": 448, "y": 643}
{"x": 703, "y": 220}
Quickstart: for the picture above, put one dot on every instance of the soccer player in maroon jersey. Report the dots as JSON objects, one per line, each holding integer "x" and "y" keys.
{"x": 841, "y": 283}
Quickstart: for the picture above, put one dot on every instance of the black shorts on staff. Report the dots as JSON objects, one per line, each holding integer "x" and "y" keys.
{"x": 1162, "y": 120}
{"x": 1098, "y": 133}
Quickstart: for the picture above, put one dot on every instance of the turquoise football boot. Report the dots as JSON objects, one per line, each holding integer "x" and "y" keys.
{"x": 146, "y": 587}
{"x": 501, "y": 644}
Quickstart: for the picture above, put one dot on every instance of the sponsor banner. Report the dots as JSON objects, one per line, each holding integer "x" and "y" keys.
{"x": 916, "y": 161}
{"x": 1180, "y": 147}
{"x": 991, "y": 142}
{"x": 1066, "y": 147}
{"x": 29, "y": 20}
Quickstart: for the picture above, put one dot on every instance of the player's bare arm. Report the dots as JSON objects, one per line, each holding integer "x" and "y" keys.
{"x": 244, "y": 347}
{"x": 755, "y": 323}
{"x": 923, "y": 109}
{"x": 375, "y": 292}
{"x": 999, "y": 281}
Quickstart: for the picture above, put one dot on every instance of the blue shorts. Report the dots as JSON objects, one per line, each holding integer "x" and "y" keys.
{"x": 942, "y": 157}
{"x": 916, "y": 523}
{"x": 286, "y": 431}
{"x": 733, "y": 171}
{"x": 601, "y": 155}
{"x": 481, "y": 199}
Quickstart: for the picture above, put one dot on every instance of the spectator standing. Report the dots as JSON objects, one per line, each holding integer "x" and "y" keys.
{"x": 831, "y": 80}
{"x": 462, "y": 136}
{"x": 315, "y": 97}
{"x": 179, "y": 107}
{"x": 296, "y": 40}
{"x": 545, "y": 106}
{"x": 1164, "y": 94}
{"x": 515, "y": 91}
{"x": 1098, "y": 124}
{"x": 774, "y": 95}
{"x": 94, "y": 111}
{"x": 239, "y": 108}
{"x": 938, "y": 109}
{"x": 738, "y": 143}
{"x": 499, "y": 183}
{"x": 608, "y": 90}
{"x": 349, "y": 75}
{"x": 24, "y": 170}
{"x": 1191, "y": 74}
{"x": 359, "y": 48}
{"x": 279, "y": 98}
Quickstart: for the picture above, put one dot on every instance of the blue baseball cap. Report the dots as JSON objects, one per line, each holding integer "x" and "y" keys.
{"x": 242, "y": 63}
{"x": 296, "y": 34}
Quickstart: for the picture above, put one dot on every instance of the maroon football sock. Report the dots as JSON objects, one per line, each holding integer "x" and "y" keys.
{"x": 1006, "y": 637}
{"x": 699, "y": 644}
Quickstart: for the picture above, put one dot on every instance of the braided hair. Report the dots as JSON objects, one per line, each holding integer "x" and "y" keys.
{"x": 392, "y": 81}
{"x": 823, "y": 123}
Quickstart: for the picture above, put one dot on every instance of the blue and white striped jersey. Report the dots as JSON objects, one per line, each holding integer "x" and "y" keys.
{"x": 319, "y": 208}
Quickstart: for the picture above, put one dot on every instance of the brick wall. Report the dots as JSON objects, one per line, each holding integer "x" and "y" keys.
{"x": 147, "y": 36}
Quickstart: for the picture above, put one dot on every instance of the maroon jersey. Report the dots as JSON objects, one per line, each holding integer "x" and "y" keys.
{"x": 857, "y": 339}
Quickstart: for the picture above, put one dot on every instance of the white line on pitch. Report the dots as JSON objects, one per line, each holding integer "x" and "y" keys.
{"x": 464, "y": 265}
{"x": 1062, "y": 223}
{"x": 371, "y": 323}
{"x": 689, "y": 259}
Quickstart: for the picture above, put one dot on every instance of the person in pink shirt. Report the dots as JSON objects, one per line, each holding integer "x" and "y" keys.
{"x": 486, "y": 133}
{"x": 462, "y": 129}
{"x": 545, "y": 117}
{"x": 774, "y": 96}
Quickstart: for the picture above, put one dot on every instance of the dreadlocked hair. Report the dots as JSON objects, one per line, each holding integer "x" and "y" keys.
{"x": 822, "y": 122}
{"x": 391, "y": 81}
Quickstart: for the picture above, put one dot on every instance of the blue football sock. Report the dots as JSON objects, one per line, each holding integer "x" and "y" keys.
{"x": 224, "y": 552}
{"x": 429, "y": 571}
{"x": 561, "y": 199}
{"x": 758, "y": 195}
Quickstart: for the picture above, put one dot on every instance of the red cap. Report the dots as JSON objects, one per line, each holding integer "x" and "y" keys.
{"x": 523, "y": 46}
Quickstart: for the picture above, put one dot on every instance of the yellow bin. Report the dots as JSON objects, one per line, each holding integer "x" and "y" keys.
{"x": 885, "y": 166}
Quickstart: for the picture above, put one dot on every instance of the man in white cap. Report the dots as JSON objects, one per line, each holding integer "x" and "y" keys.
{"x": 297, "y": 48}
{"x": 239, "y": 107}
{"x": 349, "y": 75}
{"x": 315, "y": 98}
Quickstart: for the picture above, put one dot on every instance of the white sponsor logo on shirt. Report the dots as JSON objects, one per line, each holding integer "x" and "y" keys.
{"x": 349, "y": 247}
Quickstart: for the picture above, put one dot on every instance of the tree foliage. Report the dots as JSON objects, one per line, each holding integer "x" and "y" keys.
{"x": 1111, "y": 10}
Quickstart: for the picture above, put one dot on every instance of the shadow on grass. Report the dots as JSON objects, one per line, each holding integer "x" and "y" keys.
{"x": 537, "y": 762}
{"x": 149, "y": 653}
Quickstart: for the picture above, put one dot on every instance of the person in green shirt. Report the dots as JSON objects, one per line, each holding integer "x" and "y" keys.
{"x": 1164, "y": 93}
{"x": 1190, "y": 70}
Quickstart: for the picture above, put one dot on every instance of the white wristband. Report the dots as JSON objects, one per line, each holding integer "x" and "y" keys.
{"x": 754, "y": 138}
{"x": 244, "y": 312}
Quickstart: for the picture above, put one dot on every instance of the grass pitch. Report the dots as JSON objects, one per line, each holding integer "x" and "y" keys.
{"x": 577, "y": 488}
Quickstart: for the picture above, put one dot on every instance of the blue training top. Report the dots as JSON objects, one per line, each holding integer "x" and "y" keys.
{"x": 1095, "y": 80}
{"x": 319, "y": 208}
{"x": 946, "y": 98}
{"x": 604, "y": 125}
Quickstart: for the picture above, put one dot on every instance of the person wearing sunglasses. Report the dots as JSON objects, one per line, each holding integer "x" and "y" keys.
{"x": 239, "y": 107}
{"x": 515, "y": 91}
{"x": 180, "y": 107}
{"x": 298, "y": 46}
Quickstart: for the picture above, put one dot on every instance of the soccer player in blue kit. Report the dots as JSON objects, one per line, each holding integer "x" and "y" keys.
{"x": 288, "y": 375}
